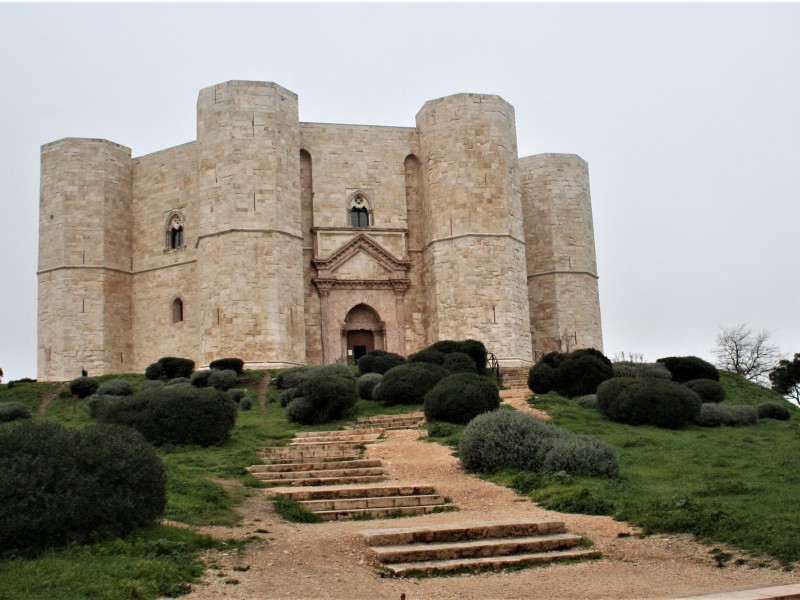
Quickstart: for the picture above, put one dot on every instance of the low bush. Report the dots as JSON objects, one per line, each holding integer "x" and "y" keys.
{"x": 502, "y": 439}
{"x": 773, "y": 410}
{"x": 154, "y": 371}
{"x": 325, "y": 398}
{"x": 225, "y": 364}
{"x": 290, "y": 378}
{"x": 461, "y": 397}
{"x": 707, "y": 389}
{"x": 379, "y": 361}
{"x": 180, "y": 414}
{"x": 686, "y": 368}
{"x": 648, "y": 401}
{"x": 408, "y": 384}
{"x": 588, "y": 401}
{"x": 287, "y": 396}
{"x": 60, "y": 485}
{"x": 300, "y": 410}
{"x": 543, "y": 376}
{"x": 83, "y": 387}
{"x": 223, "y": 380}
{"x": 245, "y": 404}
{"x": 476, "y": 351}
{"x": 115, "y": 387}
{"x": 716, "y": 415}
{"x": 200, "y": 378}
{"x": 178, "y": 381}
{"x": 634, "y": 369}
{"x": 176, "y": 367}
{"x": 433, "y": 357}
{"x": 459, "y": 362}
{"x": 235, "y": 395}
{"x": 149, "y": 384}
{"x": 367, "y": 383}
{"x": 444, "y": 346}
{"x": 575, "y": 374}
{"x": 13, "y": 411}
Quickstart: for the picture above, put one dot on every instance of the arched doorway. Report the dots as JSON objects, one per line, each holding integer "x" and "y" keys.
{"x": 363, "y": 331}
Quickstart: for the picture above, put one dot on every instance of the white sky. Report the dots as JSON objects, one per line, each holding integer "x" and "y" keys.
{"x": 688, "y": 115}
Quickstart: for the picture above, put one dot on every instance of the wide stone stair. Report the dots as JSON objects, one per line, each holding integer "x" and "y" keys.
{"x": 515, "y": 378}
{"x": 410, "y": 420}
{"x": 338, "y": 503}
{"x": 474, "y": 546}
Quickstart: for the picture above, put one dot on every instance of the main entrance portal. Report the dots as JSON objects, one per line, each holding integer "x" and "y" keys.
{"x": 363, "y": 331}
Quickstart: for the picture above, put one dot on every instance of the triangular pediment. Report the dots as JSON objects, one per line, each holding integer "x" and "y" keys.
{"x": 362, "y": 252}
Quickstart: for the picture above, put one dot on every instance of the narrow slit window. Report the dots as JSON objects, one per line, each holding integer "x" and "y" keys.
{"x": 177, "y": 310}
{"x": 175, "y": 232}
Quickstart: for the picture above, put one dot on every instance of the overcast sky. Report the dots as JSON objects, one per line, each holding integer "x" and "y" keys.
{"x": 688, "y": 115}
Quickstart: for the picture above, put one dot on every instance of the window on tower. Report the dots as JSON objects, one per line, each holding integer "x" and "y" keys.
{"x": 359, "y": 217}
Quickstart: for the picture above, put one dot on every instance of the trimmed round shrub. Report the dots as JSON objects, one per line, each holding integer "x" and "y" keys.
{"x": 408, "y": 384}
{"x": 333, "y": 370}
{"x": 367, "y": 383}
{"x": 179, "y": 381}
{"x": 716, "y": 415}
{"x": 582, "y": 371}
{"x": 300, "y": 410}
{"x": 378, "y": 361}
{"x": 331, "y": 398}
{"x": 60, "y": 485}
{"x": 648, "y": 401}
{"x": 458, "y": 362}
{"x": 476, "y": 351}
{"x": 687, "y": 368}
{"x": 588, "y": 401}
{"x": 773, "y": 410}
{"x": 290, "y": 378}
{"x": 178, "y": 414}
{"x": 149, "y": 384}
{"x": 708, "y": 390}
{"x": 444, "y": 346}
{"x": 504, "y": 439}
{"x": 154, "y": 371}
{"x": 225, "y": 364}
{"x": 287, "y": 396}
{"x": 427, "y": 356}
{"x": 543, "y": 376}
{"x": 200, "y": 378}
{"x": 634, "y": 369}
{"x": 366, "y": 363}
{"x": 13, "y": 411}
{"x": 176, "y": 367}
{"x": 461, "y": 397}
{"x": 115, "y": 387}
{"x": 235, "y": 395}
{"x": 245, "y": 404}
{"x": 223, "y": 380}
{"x": 83, "y": 387}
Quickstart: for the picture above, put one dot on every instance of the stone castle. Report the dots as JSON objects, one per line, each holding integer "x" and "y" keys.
{"x": 283, "y": 243}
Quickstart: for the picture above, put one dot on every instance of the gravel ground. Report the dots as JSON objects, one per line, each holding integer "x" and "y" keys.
{"x": 330, "y": 560}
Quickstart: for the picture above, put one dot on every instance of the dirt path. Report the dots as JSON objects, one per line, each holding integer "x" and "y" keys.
{"x": 329, "y": 560}
{"x": 49, "y": 396}
{"x": 262, "y": 389}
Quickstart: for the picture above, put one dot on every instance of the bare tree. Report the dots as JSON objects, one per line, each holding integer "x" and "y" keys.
{"x": 746, "y": 352}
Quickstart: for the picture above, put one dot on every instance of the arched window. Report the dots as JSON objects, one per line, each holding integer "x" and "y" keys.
{"x": 359, "y": 210}
{"x": 175, "y": 231}
{"x": 177, "y": 310}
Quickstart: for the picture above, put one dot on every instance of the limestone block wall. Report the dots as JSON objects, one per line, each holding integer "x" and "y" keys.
{"x": 84, "y": 258}
{"x": 474, "y": 252}
{"x": 250, "y": 243}
{"x": 561, "y": 260}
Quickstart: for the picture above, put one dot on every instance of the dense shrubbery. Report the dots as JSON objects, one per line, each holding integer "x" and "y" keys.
{"x": 716, "y": 415}
{"x": 179, "y": 381}
{"x": 223, "y": 380}
{"x": 149, "y": 384}
{"x": 459, "y": 398}
{"x": 13, "y": 411}
{"x": 290, "y": 378}
{"x": 575, "y": 374}
{"x": 634, "y": 369}
{"x": 60, "y": 485}
{"x": 408, "y": 384}
{"x": 235, "y": 395}
{"x": 648, "y": 401}
{"x": 367, "y": 383}
{"x": 200, "y": 378}
{"x": 225, "y": 364}
{"x": 245, "y": 404}
{"x": 300, "y": 410}
{"x": 378, "y": 361}
{"x": 325, "y": 394}
{"x": 473, "y": 348}
{"x": 773, "y": 410}
{"x": 508, "y": 439}
{"x": 588, "y": 401}
{"x": 179, "y": 414}
{"x": 170, "y": 367}
{"x": 115, "y": 387}
{"x": 433, "y": 357}
{"x": 83, "y": 387}
{"x": 708, "y": 390}
{"x": 686, "y": 368}
{"x": 459, "y": 362}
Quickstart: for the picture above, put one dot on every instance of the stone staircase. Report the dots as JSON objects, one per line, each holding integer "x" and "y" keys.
{"x": 400, "y": 421}
{"x": 515, "y": 378}
{"x": 338, "y": 503}
{"x": 473, "y": 546}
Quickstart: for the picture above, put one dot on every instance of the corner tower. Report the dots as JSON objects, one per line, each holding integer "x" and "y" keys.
{"x": 84, "y": 259}
{"x": 250, "y": 243}
{"x": 562, "y": 266}
{"x": 474, "y": 248}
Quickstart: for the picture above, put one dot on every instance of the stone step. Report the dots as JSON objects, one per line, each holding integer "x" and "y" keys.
{"x": 376, "y": 513}
{"x": 355, "y": 438}
{"x": 378, "y": 502}
{"x": 344, "y": 491}
{"x": 476, "y": 548}
{"x": 490, "y": 562}
{"x": 311, "y": 453}
{"x": 325, "y": 481}
{"x": 315, "y": 466}
{"x": 321, "y": 473}
{"x": 338, "y": 432}
{"x": 476, "y": 530}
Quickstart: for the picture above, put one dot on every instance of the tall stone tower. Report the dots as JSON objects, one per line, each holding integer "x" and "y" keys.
{"x": 474, "y": 252}
{"x": 84, "y": 259}
{"x": 250, "y": 243}
{"x": 562, "y": 267}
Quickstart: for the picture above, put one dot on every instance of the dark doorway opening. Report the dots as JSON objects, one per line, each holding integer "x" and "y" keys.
{"x": 358, "y": 352}
{"x": 359, "y": 342}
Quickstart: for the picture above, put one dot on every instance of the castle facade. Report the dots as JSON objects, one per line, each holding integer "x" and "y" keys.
{"x": 286, "y": 243}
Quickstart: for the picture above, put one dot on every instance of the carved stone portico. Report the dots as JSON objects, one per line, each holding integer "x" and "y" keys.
{"x": 362, "y": 287}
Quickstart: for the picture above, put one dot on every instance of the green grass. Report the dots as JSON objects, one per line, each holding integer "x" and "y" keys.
{"x": 731, "y": 485}
{"x": 291, "y": 510}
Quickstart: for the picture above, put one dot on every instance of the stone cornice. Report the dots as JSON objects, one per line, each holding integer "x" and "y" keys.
{"x": 557, "y": 272}
{"x": 362, "y": 284}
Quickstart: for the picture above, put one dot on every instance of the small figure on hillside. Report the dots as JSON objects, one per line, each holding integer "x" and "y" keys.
{"x": 1, "y": 375}
{"x": 84, "y": 373}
